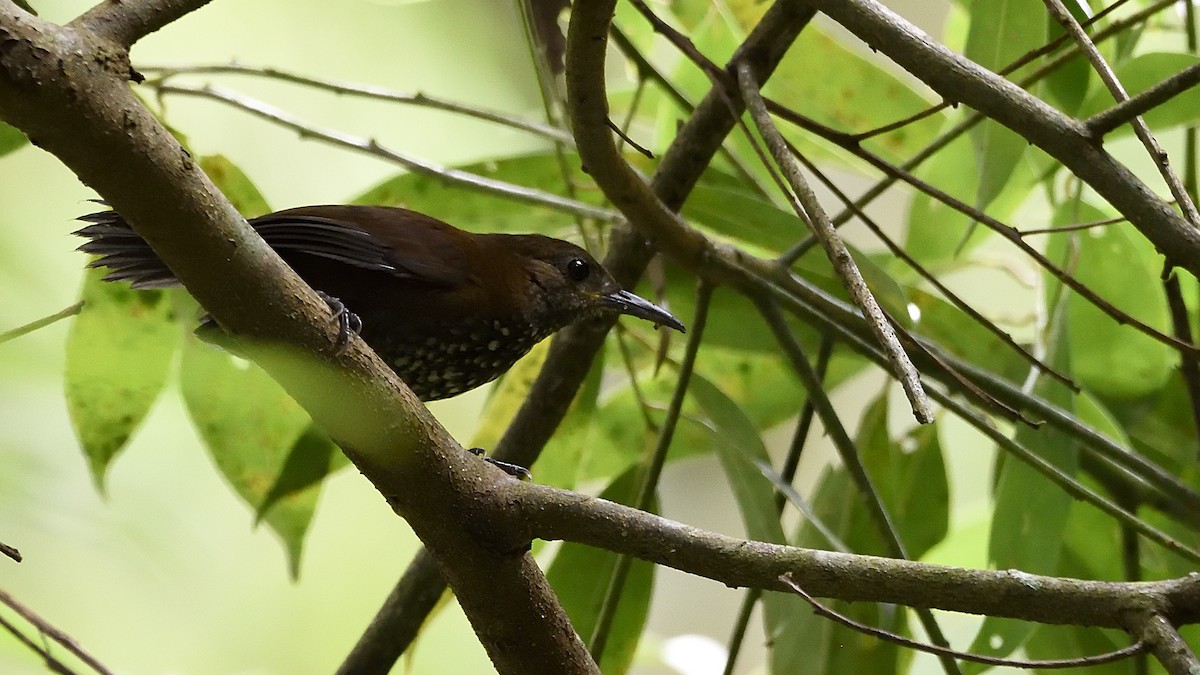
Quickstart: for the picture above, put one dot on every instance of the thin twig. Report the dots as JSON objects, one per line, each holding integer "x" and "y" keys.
{"x": 1168, "y": 646}
{"x": 421, "y": 99}
{"x": 1007, "y": 231}
{"x": 1076, "y": 227}
{"x": 888, "y": 636}
{"x": 10, "y": 551}
{"x": 805, "y": 202}
{"x": 928, "y": 276}
{"x": 372, "y": 147}
{"x": 53, "y": 633}
{"x": 40, "y": 323}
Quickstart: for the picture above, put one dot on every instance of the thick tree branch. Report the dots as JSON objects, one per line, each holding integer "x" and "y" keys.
{"x": 127, "y": 21}
{"x": 550, "y": 513}
{"x": 65, "y": 88}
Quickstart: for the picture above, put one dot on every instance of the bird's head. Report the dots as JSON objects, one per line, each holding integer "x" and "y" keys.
{"x": 569, "y": 283}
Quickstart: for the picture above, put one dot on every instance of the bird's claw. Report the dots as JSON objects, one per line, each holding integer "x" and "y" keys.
{"x": 515, "y": 470}
{"x": 348, "y": 322}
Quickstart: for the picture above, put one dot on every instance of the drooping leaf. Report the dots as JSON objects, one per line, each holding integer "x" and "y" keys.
{"x": 739, "y": 447}
{"x": 313, "y": 457}
{"x": 1030, "y": 513}
{"x": 827, "y": 648}
{"x": 580, "y": 576}
{"x": 11, "y": 139}
{"x": 119, "y": 349}
{"x": 253, "y": 430}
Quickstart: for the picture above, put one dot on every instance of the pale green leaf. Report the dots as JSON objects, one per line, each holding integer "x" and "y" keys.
{"x": 119, "y": 350}
{"x": 252, "y": 428}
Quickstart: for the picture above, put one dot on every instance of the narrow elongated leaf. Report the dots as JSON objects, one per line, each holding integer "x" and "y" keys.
{"x": 580, "y": 576}
{"x": 1030, "y": 513}
{"x": 739, "y": 446}
{"x": 253, "y": 429}
{"x": 1001, "y": 31}
{"x": 119, "y": 350}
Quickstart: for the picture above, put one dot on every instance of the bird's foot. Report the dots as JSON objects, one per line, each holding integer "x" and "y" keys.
{"x": 514, "y": 470}
{"x": 348, "y": 322}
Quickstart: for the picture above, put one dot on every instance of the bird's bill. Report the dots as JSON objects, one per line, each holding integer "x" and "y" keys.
{"x": 625, "y": 302}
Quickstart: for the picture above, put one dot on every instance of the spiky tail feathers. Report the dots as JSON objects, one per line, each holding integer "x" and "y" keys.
{"x": 123, "y": 251}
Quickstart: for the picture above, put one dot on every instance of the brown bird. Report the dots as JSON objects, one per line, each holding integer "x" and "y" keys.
{"x": 448, "y": 310}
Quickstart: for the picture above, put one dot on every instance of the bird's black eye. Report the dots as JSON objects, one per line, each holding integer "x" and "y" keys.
{"x": 578, "y": 269}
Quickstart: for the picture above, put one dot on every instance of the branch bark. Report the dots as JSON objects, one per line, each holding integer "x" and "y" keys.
{"x": 65, "y": 87}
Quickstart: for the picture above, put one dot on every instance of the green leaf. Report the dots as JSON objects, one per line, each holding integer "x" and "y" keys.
{"x": 739, "y": 212}
{"x": 580, "y": 576}
{"x": 912, "y": 484}
{"x": 253, "y": 431}
{"x": 312, "y": 458}
{"x": 119, "y": 349}
{"x": 1141, "y": 73}
{"x": 828, "y": 648}
{"x": 1108, "y": 358}
{"x": 11, "y": 139}
{"x": 739, "y": 446}
{"x": 1030, "y": 513}
{"x": 236, "y": 185}
{"x": 863, "y": 96}
{"x": 1001, "y": 31}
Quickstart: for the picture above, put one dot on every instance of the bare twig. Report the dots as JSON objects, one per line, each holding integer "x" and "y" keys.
{"x": 421, "y": 99}
{"x": 69, "y": 643}
{"x": 40, "y": 323}
{"x": 1132, "y": 107}
{"x": 10, "y": 551}
{"x": 888, "y": 636}
{"x": 807, "y": 205}
{"x": 372, "y": 147}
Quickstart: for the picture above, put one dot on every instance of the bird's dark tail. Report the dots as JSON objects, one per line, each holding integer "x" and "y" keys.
{"x": 123, "y": 251}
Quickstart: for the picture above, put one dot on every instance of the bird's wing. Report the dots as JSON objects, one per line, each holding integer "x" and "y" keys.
{"x": 357, "y": 236}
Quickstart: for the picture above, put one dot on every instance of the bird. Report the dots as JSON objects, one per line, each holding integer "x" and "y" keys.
{"x": 448, "y": 310}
